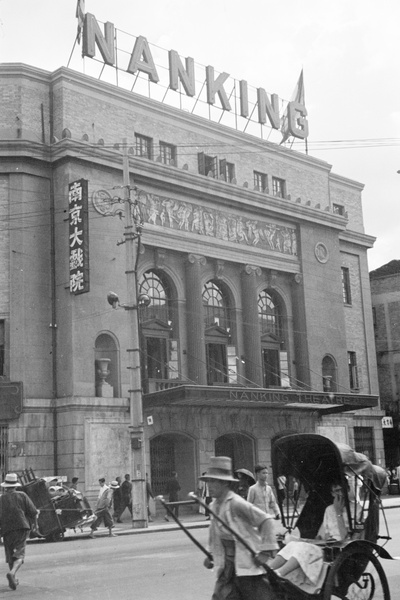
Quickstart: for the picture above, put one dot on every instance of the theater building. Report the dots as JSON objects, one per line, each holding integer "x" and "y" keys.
{"x": 254, "y": 260}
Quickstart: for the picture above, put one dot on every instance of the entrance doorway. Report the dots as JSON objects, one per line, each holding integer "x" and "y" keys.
{"x": 239, "y": 447}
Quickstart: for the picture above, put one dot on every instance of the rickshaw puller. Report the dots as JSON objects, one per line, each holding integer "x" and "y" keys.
{"x": 238, "y": 576}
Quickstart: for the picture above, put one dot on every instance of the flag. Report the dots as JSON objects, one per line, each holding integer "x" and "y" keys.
{"x": 80, "y": 15}
{"x": 297, "y": 96}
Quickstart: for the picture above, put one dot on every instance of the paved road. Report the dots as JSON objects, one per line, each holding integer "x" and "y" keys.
{"x": 159, "y": 565}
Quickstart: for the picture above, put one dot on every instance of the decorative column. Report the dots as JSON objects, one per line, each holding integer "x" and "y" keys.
{"x": 251, "y": 329}
{"x": 196, "y": 349}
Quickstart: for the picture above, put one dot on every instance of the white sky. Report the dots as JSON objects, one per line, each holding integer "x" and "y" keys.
{"x": 349, "y": 49}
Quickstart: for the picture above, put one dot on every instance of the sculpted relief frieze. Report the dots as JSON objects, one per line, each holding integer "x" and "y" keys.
{"x": 193, "y": 218}
{"x": 225, "y": 226}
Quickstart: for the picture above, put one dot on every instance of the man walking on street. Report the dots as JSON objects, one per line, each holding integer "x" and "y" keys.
{"x": 261, "y": 495}
{"x": 173, "y": 488}
{"x": 117, "y": 501}
{"x": 238, "y": 576}
{"x": 103, "y": 506}
{"x": 126, "y": 495}
{"x": 17, "y": 514}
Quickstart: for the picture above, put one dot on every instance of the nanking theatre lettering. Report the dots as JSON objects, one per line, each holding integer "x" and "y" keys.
{"x": 286, "y": 397}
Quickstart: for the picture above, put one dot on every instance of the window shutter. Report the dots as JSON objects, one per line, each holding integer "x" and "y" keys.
{"x": 284, "y": 369}
{"x": 222, "y": 169}
{"x": 232, "y": 364}
{"x": 173, "y": 362}
{"x": 202, "y": 163}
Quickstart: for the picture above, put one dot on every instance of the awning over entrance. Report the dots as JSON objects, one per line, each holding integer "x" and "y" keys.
{"x": 278, "y": 399}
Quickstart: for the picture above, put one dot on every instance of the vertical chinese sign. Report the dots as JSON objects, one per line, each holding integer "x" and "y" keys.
{"x": 78, "y": 237}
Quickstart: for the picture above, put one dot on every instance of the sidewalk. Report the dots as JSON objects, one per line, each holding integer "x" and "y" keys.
{"x": 189, "y": 520}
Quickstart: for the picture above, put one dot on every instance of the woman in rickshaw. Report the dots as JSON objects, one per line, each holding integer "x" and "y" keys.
{"x": 302, "y": 561}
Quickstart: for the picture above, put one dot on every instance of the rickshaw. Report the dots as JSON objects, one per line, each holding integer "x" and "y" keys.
{"x": 60, "y": 507}
{"x": 309, "y": 464}
{"x": 352, "y": 567}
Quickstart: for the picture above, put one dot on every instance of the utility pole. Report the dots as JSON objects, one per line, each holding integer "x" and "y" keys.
{"x": 136, "y": 429}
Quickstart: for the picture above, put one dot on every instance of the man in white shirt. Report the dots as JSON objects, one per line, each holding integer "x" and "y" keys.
{"x": 261, "y": 495}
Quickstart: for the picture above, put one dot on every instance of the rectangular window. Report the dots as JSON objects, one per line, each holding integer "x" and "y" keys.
{"x": 353, "y": 371}
{"x": 364, "y": 441}
{"x": 260, "y": 181}
{"x": 208, "y": 165}
{"x": 271, "y": 366}
{"x": 227, "y": 170}
{"x": 168, "y": 154}
{"x": 144, "y": 146}
{"x": 346, "y": 285}
{"x": 278, "y": 187}
{"x": 217, "y": 370}
{"x": 338, "y": 209}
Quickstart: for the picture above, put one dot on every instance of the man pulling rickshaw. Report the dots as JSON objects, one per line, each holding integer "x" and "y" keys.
{"x": 331, "y": 548}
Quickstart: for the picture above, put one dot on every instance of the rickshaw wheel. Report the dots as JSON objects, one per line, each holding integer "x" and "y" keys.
{"x": 55, "y": 537}
{"x": 356, "y": 575}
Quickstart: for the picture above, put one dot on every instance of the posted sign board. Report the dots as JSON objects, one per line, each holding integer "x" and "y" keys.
{"x": 78, "y": 236}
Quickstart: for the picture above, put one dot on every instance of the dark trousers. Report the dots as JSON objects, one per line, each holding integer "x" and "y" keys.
{"x": 125, "y": 503}
{"x": 102, "y": 515}
{"x": 231, "y": 587}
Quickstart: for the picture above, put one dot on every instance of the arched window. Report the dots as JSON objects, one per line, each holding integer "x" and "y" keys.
{"x": 159, "y": 351}
{"x": 217, "y": 330}
{"x": 106, "y": 367}
{"x": 215, "y": 306}
{"x": 329, "y": 374}
{"x": 268, "y": 314}
{"x": 158, "y": 291}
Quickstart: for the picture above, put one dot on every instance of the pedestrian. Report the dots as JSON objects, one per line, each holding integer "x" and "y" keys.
{"x": 204, "y": 494}
{"x": 126, "y": 495}
{"x": 117, "y": 500}
{"x": 281, "y": 491}
{"x": 238, "y": 576}
{"x": 261, "y": 495}
{"x": 17, "y": 515}
{"x": 173, "y": 488}
{"x": 246, "y": 479}
{"x": 296, "y": 491}
{"x": 149, "y": 494}
{"x": 103, "y": 507}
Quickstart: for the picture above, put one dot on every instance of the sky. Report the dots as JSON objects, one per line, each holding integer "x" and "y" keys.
{"x": 349, "y": 51}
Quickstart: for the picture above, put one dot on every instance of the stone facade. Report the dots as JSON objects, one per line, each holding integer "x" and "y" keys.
{"x": 251, "y": 279}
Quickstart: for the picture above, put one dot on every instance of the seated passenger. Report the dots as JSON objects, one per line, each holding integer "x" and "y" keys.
{"x": 302, "y": 562}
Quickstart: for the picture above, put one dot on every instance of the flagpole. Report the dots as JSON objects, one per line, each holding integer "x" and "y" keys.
{"x": 72, "y": 51}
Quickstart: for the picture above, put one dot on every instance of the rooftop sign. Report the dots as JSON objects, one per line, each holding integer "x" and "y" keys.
{"x": 234, "y": 102}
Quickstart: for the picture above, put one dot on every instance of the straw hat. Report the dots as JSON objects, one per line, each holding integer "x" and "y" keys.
{"x": 248, "y": 474}
{"x": 11, "y": 480}
{"x": 114, "y": 485}
{"x": 220, "y": 468}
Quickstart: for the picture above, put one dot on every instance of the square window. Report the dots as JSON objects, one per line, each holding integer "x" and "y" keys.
{"x": 144, "y": 146}
{"x": 168, "y": 154}
{"x": 278, "y": 187}
{"x": 338, "y": 209}
{"x": 260, "y": 181}
{"x": 227, "y": 170}
{"x": 208, "y": 165}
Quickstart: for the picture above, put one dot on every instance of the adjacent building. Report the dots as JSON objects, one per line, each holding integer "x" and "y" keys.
{"x": 385, "y": 290}
{"x": 254, "y": 261}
